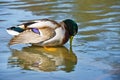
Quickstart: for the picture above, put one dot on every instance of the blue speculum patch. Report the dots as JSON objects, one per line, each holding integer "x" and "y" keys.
{"x": 35, "y": 30}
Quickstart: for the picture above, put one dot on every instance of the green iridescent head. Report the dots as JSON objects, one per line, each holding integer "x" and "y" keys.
{"x": 72, "y": 27}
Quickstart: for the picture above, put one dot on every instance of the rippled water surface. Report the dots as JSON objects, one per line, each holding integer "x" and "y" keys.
{"x": 95, "y": 54}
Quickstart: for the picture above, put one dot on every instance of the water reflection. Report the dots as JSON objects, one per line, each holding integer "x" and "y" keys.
{"x": 47, "y": 60}
{"x": 97, "y": 44}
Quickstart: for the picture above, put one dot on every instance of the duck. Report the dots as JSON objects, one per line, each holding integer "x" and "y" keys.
{"x": 43, "y": 32}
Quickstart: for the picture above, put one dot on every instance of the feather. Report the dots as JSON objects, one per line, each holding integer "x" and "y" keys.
{"x": 29, "y": 36}
{"x": 44, "y": 22}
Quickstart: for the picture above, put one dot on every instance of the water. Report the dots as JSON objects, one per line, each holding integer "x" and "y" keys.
{"x": 95, "y": 53}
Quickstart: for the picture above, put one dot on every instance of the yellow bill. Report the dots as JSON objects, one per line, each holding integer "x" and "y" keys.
{"x": 71, "y": 39}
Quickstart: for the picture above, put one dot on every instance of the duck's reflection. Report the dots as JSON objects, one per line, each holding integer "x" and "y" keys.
{"x": 44, "y": 59}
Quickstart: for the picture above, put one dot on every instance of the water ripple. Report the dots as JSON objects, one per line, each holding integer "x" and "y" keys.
{"x": 97, "y": 44}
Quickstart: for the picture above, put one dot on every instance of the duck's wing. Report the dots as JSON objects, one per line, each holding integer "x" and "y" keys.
{"x": 29, "y": 36}
{"x": 41, "y": 23}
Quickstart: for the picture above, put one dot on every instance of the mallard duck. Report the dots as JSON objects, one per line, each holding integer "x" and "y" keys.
{"x": 43, "y": 32}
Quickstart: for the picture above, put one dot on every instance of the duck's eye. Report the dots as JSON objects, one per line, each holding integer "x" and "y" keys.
{"x": 35, "y": 30}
